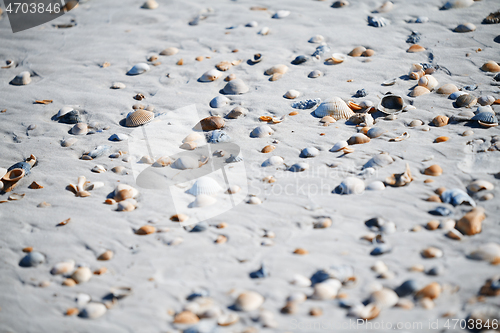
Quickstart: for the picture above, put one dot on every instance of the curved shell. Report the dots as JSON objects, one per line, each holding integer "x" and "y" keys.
{"x": 379, "y": 161}
{"x": 93, "y": 310}
{"x": 480, "y": 185}
{"x": 419, "y": 91}
{"x": 124, "y": 191}
{"x": 169, "y": 51}
{"x": 150, "y": 4}
{"x": 138, "y": 118}
{"x": 14, "y": 175}
{"x": 261, "y": 131}
{"x": 162, "y": 162}
{"x": 32, "y": 259}
{"x": 377, "y": 22}
{"x": 315, "y": 73}
{"x": 273, "y": 161}
{"x": 205, "y": 185}
{"x": 326, "y": 290}
{"x": 138, "y": 69}
{"x": 358, "y": 138}
{"x": 338, "y": 58}
{"x": 390, "y": 104}
{"x": 235, "y": 87}
{"x": 466, "y": 100}
{"x": 456, "y": 95}
{"x": 415, "y": 48}
{"x": 385, "y": 298}
{"x": 357, "y": 51}
{"x": 458, "y": 4}
{"x": 210, "y": 75}
{"x": 486, "y": 118}
{"x": 486, "y": 100}
{"x": 64, "y": 110}
{"x": 351, "y": 185}
{"x": 457, "y": 197}
{"x": 21, "y": 79}
{"x": 316, "y": 39}
{"x": 334, "y": 107}
{"x": 465, "y": 27}
{"x": 447, "y": 89}
{"x": 82, "y": 275}
{"x": 292, "y": 94}
{"x": 248, "y": 301}
{"x": 202, "y": 200}
{"x": 281, "y": 14}
{"x": 428, "y": 81}
{"x": 339, "y": 146}
{"x": 299, "y": 167}
{"x": 80, "y": 129}
{"x": 491, "y": 66}
{"x": 277, "y": 69}
{"x": 185, "y": 162}
{"x": 309, "y": 152}
{"x": 375, "y": 186}
{"x": 63, "y": 267}
{"x": 219, "y": 101}
{"x": 375, "y": 132}
{"x": 488, "y": 251}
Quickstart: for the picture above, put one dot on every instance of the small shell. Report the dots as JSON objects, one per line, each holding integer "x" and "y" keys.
{"x": 401, "y": 179}
{"x": 377, "y": 22}
{"x": 32, "y": 259}
{"x": 434, "y": 170}
{"x": 358, "y": 138}
{"x": 107, "y": 255}
{"x": 281, "y": 14}
{"x": 441, "y": 139}
{"x": 202, "y": 200}
{"x": 432, "y": 291}
{"x": 64, "y": 110}
{"x": 314, "y": 74}
{"x": 208, "y": 124}
{"x": 486, "y": 100}
{"x": 316, "y": 39}
{"x": 169, "y": 51}
{"x": 351, "y": 185}
{"x": 268, "y": 149}
{"x": 219, "y": 101}
{"x": 432, "y": 252}
{"x": 385, "y": 298}
{"x": 118, "y": 85}
{"x": 339, "y": 146}
{"x": 447, "y": 89}
{"x": 93, "y": 310}
{"x": 235, "y": 87}
{"x": 14, "y": 174}
{"x": 273, "y": 161}
{"x": 326, "y": 290}
{"x": 22, "y": 78}
{"x": 375, "y": 132}
{"x": 98, "y": 169}
{"x": 233, "y": 189}
{"x": 150, "y": 4}
{"x": 457, "y": 4}
{"x": 390, "y": 104}
{"x": 80, "y": 129}
{"x": 357, "y": 51}
{"x": 292, "y": 94}
{"x": 299, "y": 167}
{"x": 375, "y": 186}
{"x": 138, "y": 118}
{"x": 456, "y": 95}
{"x": 340, "y": 4}
{"x": 480, "y": 185}
{"x": 277, "y": 69}
{"x": 145, "y": 230}
{"x": 254, "y": 201}
{"x": 338, "y": 58}
{"x": 428, "y": 81}
{"x": 368, "y": 53}
{"x": 81, "y": 275}
{"x": 63, "y": 268}
{"x": 465, "y": 27}
{"x": 487, "y": 252}
{"x": 228, "y": 319}
{"x": 491, "y": 66}
{"x": 264, "y": 31}
{"x": 457, "y": 197}
{"x": 415, "y": 48}
{"x": 248, "y": 301}
{"x": 138, "y": 69}
{"x": 205, "y": 185}
{"x": 385, "y": 7}
{"x": 210, "y": 75}
{"x": 419, "y": 91}
{"x": 334, "y": 107}
{"x": 379, "y": 161}
{"x": 389, "y": 82}
{"x": 261, "y": 131}
{"x": 309, "y": 152}
{"x": 466, "y": 100}
{"x": 185, "y": 162}
{"x": 440, "y": 121}
{"x": 486, "y": 119}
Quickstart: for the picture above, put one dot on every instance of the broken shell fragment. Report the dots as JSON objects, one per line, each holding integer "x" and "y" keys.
{"x": 401, "y": 179}
{"x": 390, "y": 104}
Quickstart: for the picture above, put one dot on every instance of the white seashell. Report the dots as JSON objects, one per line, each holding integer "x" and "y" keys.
{"x": 194, "y": 137}
{"x": 326, "y": 290}
{"x": 233, "y": 189}
{"x": 202, "y": 200}
{"x": 351, "y": 185}
{"x": 127, "y": 205}
{"x": 375, "y": 186}
{"x": 300, "y": 281}
{"x": 281, "y": 14}
{"x": 315, "y": 73}
{"x": 252, "y": 24}
{"x": 228, "y": 319}
{"x": 277, "y": 69}
{"x": 3, "y": 171}
{"x": 456, "y": 94}
{"x": 309, "y": 152}
{"x": 297, "y": 297}
{"x": 210, "y": 75}
{"x": 205, "y": 185}
{"x": 68, "y": 142}
{"x": 219, "y": 101}
{"x": 291, "y": 94}
{"x": 428, "y": 81}
{"x": 338, "y": 58}
{"x": 261, "y": 131}
{"x": 82, "y": 299}
{"x": 316, "y": 39}
{"x": 235, "y": 87}
{"x": 118, "y": 85}
{"x": 254, "y": 201}
{"x": 63, "y": 267}
{"x": 81, "y": 275}
{"x": 419, "y": 91}
{"x": 80, "y": 129}
{"x": 150, "y": 4}
{"x": 389, "y": 82}
{"x": 334, "y": 107}
{"x": 248, "y": 301}
{"x": 458, "y": 4}
{"x": 299, "y": 167}
{"x": 93, "y": 310}
{"x": 146, "y": 159}
{"x": 98, "y": 169}
{"x": 488, "y": 252}
{"x": 379, "y": 267}
{"x": 124, "y": 187}
{"x": 466, "y": 27}
{"x": 384, "y": 299}
{"x": 264, "y": 31}
{"x": 379, "y": 161}
{"x": 21, "y": 79}
{"x": 480, "y": 185}
{"x": 64, "y": 110}
{"x": 273, "y": 161}
{"x": 339, "y": 146}
{"x": 169, "y": 51}
{"x": 138, "y": 69}
{"x": 118, "y": 137}
{"x": 486, "y": 100}
{"x": 185, "y": 162}
{"x": 386, "y": 7}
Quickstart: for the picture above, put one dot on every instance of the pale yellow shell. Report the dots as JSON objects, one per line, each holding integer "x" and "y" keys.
{"x": 428, "y": 81}
{"x": 419, "y": 91}
{"x": 138, "y": 118}
{"x": 277, "y": 69}
{"x": 169, "y": 51}
{"x": 447, "y": 89}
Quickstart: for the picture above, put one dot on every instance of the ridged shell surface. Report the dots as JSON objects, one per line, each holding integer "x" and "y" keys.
{"x": 205, "y": 185}
{"x": 138, "y": 118}
{"x": 334, "y": 107}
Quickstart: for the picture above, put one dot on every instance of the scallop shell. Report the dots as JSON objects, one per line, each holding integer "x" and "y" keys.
{"x": 334, "y": 107}
{"x": 428, "y": 81}
{"x": 339, "y": 146}
{"x": 466, "y": 27}
{"x": 491, "y": 66}
{"x": 219, "y": 101}
{"x": 309, "y": 152}
{"x": 390, "y": 104}
{"x": 458, "y": 4}
{"x": 351, "y": 185}
{"x": 138, "y": 118}
{"x": 299, "y": 167}
{"x": 169, "y": 51}
{"x": 248, "y": 301}
{"x": 22, "y": 78}
{"x": 93, "y": 310}
{"x": 80, "y": 129}
{"x": 138, "y": 69}
{"x": 447, "y": 89}
{"x": 273, "y": 161}
{"x": 419, "y": 91}
{"x": 379, "y": 161}
{"x": 375, "y": 186}
{"x": 385, "y": 298}
{"x": 63, "y": 267}
{"x": 210, "y": 75}
{"x": 185, "y": 162}
{"x": 202, "y": 200}
{"x": 488, "y": 252}
{"x": 261, "y": 131}
{"x": 316, "y": 39}
{"x": 291, "y": 94}
{"x": 277, "y": 69}
{"x": 375, "y": 132}
{"x": 281, "y": 14}
{"x": 235, "y": 87}
{"x": 205, "y": 185}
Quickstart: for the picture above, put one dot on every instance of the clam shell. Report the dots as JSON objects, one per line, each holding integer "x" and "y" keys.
{"x": 351, "y": 185}
{"x": 219, "y": 101}
{"x": 384, "y": 299}
{"x": 458, "y": 4}
{"x": 300, "y": 281}
{"x": 210, "y": 75}
{"x": 169, "y": 51}
{"x": 21, "y": 79}
{"x": 428, "y": 81}
{"x": 292, "y": 94}
{"x": 486, "y": 118}
{"x": 64, "y": 110}
{"x": 118, "y": 85}
{"x": 480, "y": 185}
{"x": 205, "y": 185}
{"x": 379, "y": 161}
{"x": 138, "y": 69}
{"x": 334, "y": 107}
{"x": 235, "y": 87}
{"x": 248, "y": 301}
{"x": 338, "y": 58}
{"x": 390, "y": 104}
{"x": 316, "y": 39}
{"x": 386, "y": 7}
{"x": 415, "y": 48}
{"x": 375, "y": 132}
{"x": 375, "y": 186}
{"x": 326, "y": 290}
{"x": 491, "y": 66}
{"x": 357, "y": 51}
{"x": 339, "y": 146}
{"x": 466, "y": 100}
{"x": 185, "y": 162}
{"x": 447, "y": 89}
{"x": 63, "y": 268}
{"x": 314, "y": 74}
{"x": 202, "y": 200}
{"x": 456, "y": 95}
{"x": 32, "y": 259}
{"x": 277, "y": 69}
{"x": 486, "y": 100}
{"x": 261, "y": 131}
{"x": 487, "y": 252}
{"x": 150, "y": 4}
{"x": 138, "y": 118}
{"x": 309, "y": 152}
{"x": 80, "y": 129}
{"x": 273, "y": 161}
{"x": 358, "y": 138}
{"x": 465, "y": 27}
{"x": 81, "y": 275}
{"x": 93, "y": 310}
{"x": 419, "y": 91}
{"x": 299, "y": 167}
{"x": 281, "y": 14}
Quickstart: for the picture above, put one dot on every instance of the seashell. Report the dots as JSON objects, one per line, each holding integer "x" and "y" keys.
{"x": 419, "y": 91}
{"x": 457, "y": 4}
{"x": 145, "y": 230}
{"x": 228, "y": 319}
{"x": 351, "y": 185}
{"x": 207, "y": 124}
{"x": 138, "y": 118}
{"x": 357, "y": 51}
{"x": 368, "y": 53}
{"x": 219, "y": 101}
{"x": 375, "y": 186}
{"x": 292, "y": 94}
{"x": 440, "y": 121}
{"x": 252, "y": 24}
{"x": 22, "y": 78}
{"x": 471, "y": 223}
{"x": 185, "y": 162}
{"x": 68, "y": 142}
{"x": 264, "y": 31}
{"x": 340, "y": 4}
{"x": 415, "y": 48}
{"x": 32, "y": 259}
{"x": 326, "y": 290}
{"x": 486, "y": 100}
{"x": 487, "y": 252}
{"x": 390, "y": 104}
{"x": 281, "y": 14}
{"x": 309, "y": 152}
{"x": 98, "y": 169}
{"x": 490, "y": 19}
{"x": 334, "y": 107}
{"x": 277, "y": 69}
{"x": 202, "y": 200}
{"x": 432, "y": 252}
{"x": 401, "y": 179}
{"x": 248, "y": 301}
{"x": 314, "y": 74}
{"x": 299, "y": 167}
{"x": 432, "y": 291}
{"x": 273, "y": 161}
{"x": 63, "y": 268}
{"x": 486, "y": 119}
{"x": 379, "y": 161}
{"x": 447, "y": 89}
{"x": 381, "y": 249}
{"x": 169, "y": 51}
{"x": 188, "y": 145}
{"x": 268, "y": 149}
{"x": 210, "y": 75}
{"x": 416, "y": 123}
{"x": 64, "y": 110}
{"x": 441, "y": 139}
{"x": 138, "y": 69}
{"x": 416, "y": 75}
{"x": 434, "y": 170}
{"x": 107, "y": 255}
{"x": 339, "y": 146}
{"x": 456, "y": 94}
{"x": 118, "y": 137}
{"x": 466, "y": 100}
{"x": 375, "y": 132}
{"x": 93, "y": 310}
{"x": 205, "y": 185}
{"x": 384, "y": 299}
{"x": 428, "y": 81}
{"x": 81, "y": 275}
{"x": 13, "y": 175}
{"x": 316, "y": 39}
{"x": 261, "y": 131}
{"x": 377, "y": 22}
{"x": 491, "y": 66}
{"x": 338, "y": 58}
{"x": 186, "y": 317}
{"x": 465, "y": 27}
{"x": 480, "y": 185}
{"x": 99, "y": 151}
{"x": 118, "y": 85}
{"x": 457, "y": 197}
{"x": 235, "y": 87}
{"x": 389, "y": 82}
{"x": 358, "y": 138}
{"x": 237, "y": 112}
{"x": 150, "y": 4}
{"x": 385, "y": 7}
{"x": 219, "y": 136}
{"x": 80, "y": 129}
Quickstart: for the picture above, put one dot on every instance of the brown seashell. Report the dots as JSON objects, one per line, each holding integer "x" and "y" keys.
{"x": 265, "y": 118}
{"x": 432, "y": 291}
{"x": 64, "y": 222}
{"x": 440, "y": 190}
{"x": 315, "y": 312}
{"x": 221, "y": 239}
{"x": 277, "y": 69}
{"x": 186, "y": 317}
{"x": 188, "y": 145}
{"x": 432, "y": 252}
{"x": 124, "y": 195}
{"x": 212, "y": 123}
{"x": 434, "y": 198}
{"x": 169, "y": 51}
{"x": 110, "y": 201}
{"x": 447, "y": 89}
{"x": 290, "y": 308}
{"x": 69, "y": 282}
{"x": 108, "y": 255}
{"x": 354, "y": 106}
{"x": 471, "y": 223}
{"x": 199, "y": 58}
{"x": 100, "y": 271}
{"x": 230, "y": 77}
{"x": 222, "y": 225}
{"x": 358, "y": 138}
{"x": 293, "y": 113}
{"x": 14, "y": 175}
{"x": 432, "y": 225}
{"x": 275, "y": 77}
{"x": 416, "y": 75}
{"x": 428, "y": 180}
{"x": 454, "y": 234}
{"x": 440, "y": 121}
{"x": 357, "y": 51}
{"x": 301, "y": 251}
{"x": 35, "y": 186}
{"x": 488, "y": 290}
{"x": 223, "y": 66}
{"x": 180, "y": 62}
{"x": 368, "y": 53}
{"x": 441, "y": 139}
{"x": 145, "y": 230}
{"x": 71, "y": 311}
{"x": 179, "y": 218}
{"x": 491, "y": 66}
{"x": 268, "y": 149}
{"x": 401, "y": 179}
{"x": 434, "y": 170}
{"x": 415, "y": 48}
{"x": 466, "y": 100}
{"x": 419, "y": 91}
{"x": 138, "y": 118}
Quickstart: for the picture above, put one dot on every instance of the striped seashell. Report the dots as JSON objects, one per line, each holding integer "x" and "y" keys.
{"x": 466, "y": 100}
{"x": 334, "y": 107}
{"x": 138, "y": 118}
{"x": 205, "y": 185}
{"x": 486, "y": 119}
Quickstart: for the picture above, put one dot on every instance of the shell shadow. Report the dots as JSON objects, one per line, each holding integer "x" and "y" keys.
{"x": 497, "y": 39}
{"x": 405, "y": 77}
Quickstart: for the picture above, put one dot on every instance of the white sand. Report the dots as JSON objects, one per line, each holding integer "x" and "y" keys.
{"x": 67, "y": 67}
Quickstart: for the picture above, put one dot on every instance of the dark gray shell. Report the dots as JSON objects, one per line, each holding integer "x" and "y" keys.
{"x": 22, "y": 165}
{"x": 391, "y": 104}
{"x": 466, "y": 100}
{"x": 457, "y": 197}
{"x": 377, "y": 22}
{"x": 486, "y": 117}
{"x": 72, "y": 117}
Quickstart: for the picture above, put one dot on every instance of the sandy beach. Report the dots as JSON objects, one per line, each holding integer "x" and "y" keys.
{"x": 376, "y": 205}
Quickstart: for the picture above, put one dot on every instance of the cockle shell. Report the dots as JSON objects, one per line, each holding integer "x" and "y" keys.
{"x": 205, "y": 185}
{"x": 185, "y": 162}
{"x": 64, "y": 110}
{"x": 93, "y": 310}
{"x": 379, "y": 161}
{"x": 309, "y": 152}
{"x": 248, "y": 301}
{"x": 202, "y": 200}
{"x": 261, "y": 131}
{"x": 235, "y": 87}
{"x": 273, "y": 161}
{"x": 466, "y": 100}
{"x": 169, "y": 51}
{"x": 81, "y": 275}
{"x": 491, "y": 66}
{"x": 351, "y": 185}
{"x": 219, "y": 101}
{"x": 334, "y": 107}
{"x": 138, "y": 69}
{"x": 486, "y": 119}
{"x": 447, "y": 89}
{"x": 291, "y": 94}
{"x": 277, "y": 69}
{"x": 80, "y": 129}
{"x": 22, "y": 78}
{"x": 357, "y": 51}
{"x": 390, "y": 104}
{"x": 339, "y": 146}
{"x": 32, "y": 259}
{"x": 385, "y": 298}
{"x": 465, "y": 27}
{"x": 138, "y": 118}
{"x": 419, "y": 91}
{"x": 210, "y": 75}
{"x": 428, "y": 81}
